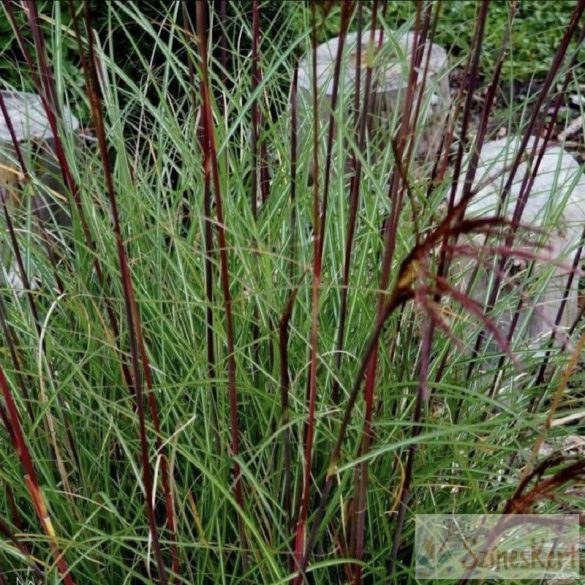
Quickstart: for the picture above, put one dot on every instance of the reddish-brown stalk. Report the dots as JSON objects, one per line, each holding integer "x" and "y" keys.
{"x": 294, "y": 122}
{"x": 256, "y": 112}
{"x": 30, "y": 480}
{"x": 354, "y": 187}
{"x": 319, "y": 224}
{"x": 305, "y": 494}
{"x": 256, "y": 115}
{"x": 137, "y": 347}
{"x": 283, "y": 335}
{"x": 43, "y": 85}
{"x": 287, "y": 314}
{"x": 398, "y": 187}
{"x": 208, "y": 232}
{"x": 211, "y": 167}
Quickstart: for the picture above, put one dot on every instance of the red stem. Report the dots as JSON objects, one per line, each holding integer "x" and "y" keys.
{"x": 137, "y": 346}
{"x": 211, "y": 167}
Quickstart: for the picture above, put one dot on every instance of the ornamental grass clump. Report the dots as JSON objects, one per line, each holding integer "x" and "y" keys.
{"x": 273, "y": 336}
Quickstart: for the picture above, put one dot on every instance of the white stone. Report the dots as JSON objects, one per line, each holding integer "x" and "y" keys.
{"x": 556, "y": 205}
{"x": 391, "y": 63}
{"x": 28, "y": 117}
{"x": 391, "y": 67}
{"x": 33, "y": 132}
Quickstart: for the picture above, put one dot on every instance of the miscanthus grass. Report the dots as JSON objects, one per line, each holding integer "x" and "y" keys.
{"x": 249, "y": 360}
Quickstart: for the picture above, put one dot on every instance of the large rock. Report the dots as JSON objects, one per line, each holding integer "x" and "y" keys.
{"x": 391, "y": 66}
{"x": 34, "y": 135}
{"x": 28, "y": 117}
{"x": 46, "y": 192}
{"x": 556, "y": 207}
